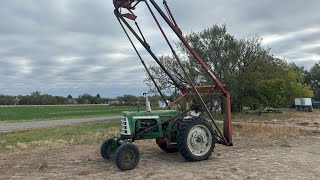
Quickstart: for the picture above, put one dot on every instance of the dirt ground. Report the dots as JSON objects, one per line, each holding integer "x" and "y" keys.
{"x": 259, "y": 155}
{"x": 290, "y": 159}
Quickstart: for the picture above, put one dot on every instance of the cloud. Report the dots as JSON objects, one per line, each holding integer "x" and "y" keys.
{"x": 72, "y": 47}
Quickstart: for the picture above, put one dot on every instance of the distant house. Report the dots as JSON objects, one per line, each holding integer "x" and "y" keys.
{"x": 72, "y": 101}
{"x": 16, "y": 100}
{"x": 114, "y": 102}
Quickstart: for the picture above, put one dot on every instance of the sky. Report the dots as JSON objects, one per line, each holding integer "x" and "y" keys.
{"x": 63, "y": 47}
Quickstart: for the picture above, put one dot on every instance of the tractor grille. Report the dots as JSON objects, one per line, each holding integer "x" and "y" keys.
{"x": 125, "y": 128}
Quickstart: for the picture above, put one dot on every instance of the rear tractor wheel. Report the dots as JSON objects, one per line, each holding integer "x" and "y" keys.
{"x": 127, "y": 156}
{"x": 196, "y": 139}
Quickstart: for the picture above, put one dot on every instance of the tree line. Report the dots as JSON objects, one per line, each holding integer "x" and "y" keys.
{"x": 37, "y": 98}
{"x": 252, "y": 74}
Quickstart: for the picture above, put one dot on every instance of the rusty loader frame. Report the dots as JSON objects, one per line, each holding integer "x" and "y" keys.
{"x": 124, "y": 10}
{"x": 186, "y": 130}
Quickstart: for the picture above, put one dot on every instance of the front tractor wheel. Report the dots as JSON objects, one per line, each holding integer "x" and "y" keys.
{"x": 127, "y": 156}
{"x": 108, "y": 148}
{"x": 196, "y": 139}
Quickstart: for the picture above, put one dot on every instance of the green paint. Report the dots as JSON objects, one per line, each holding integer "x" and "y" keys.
{"x": 135, "y": 122}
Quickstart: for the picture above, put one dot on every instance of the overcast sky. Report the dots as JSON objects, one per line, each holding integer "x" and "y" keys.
{"x": 64, "y": 47}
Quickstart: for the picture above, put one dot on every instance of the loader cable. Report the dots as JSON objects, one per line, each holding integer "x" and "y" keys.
{"x": 185, "y": 73}
{"x": 164, "y": 35}
{"x": 143, "y": 63}
{"x": 180, "y": 83}
{"x": 165, "y": 7}
{"x": 183, "y": 69}
{"x": 147, "y": 47}
{"x": 169, "y": 13}
{"x": 140, "y": 31}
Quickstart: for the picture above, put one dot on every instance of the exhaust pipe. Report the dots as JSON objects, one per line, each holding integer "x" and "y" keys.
{"x": 148, "y": 106}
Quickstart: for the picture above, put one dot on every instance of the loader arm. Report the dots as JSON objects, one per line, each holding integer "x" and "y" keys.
{"x": 129, "y": 6}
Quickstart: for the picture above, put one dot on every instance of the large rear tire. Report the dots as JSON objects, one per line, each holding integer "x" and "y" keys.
{"x": 196, "y": 139}
{"x": 127, "y": 156}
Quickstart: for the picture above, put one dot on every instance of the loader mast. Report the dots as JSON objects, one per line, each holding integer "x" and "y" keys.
{"x": 225, "y": 136}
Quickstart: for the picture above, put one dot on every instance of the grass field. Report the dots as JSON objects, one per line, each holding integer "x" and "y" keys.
{"x": 95, "y": 133}
{"x": 36, "y": 113}
{"x": 261, "y": 144}
{"x": 89, "y": 133}
{"x": 31, "y": 113}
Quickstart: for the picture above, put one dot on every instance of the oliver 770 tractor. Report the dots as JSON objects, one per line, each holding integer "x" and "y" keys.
{"x": 185, "y": 130}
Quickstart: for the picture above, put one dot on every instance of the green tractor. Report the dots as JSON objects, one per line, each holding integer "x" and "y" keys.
{"x": 192, "y": 136}
{"x": 186, "y": 130}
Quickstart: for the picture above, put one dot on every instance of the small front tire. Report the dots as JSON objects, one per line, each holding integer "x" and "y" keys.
{"x": 127, "y": 156}
{"x": 108, "y": 148}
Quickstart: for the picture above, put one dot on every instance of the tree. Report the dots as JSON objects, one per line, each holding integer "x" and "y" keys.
{"x": 253, "y": 65}
{"x": 87, "y": 99}
{"x": 36, "y": 98}
{"x": 7, "y": 100}
{"x": 127, "y": 98}
{"x": 69, "y": 97}
{"x": 219, "y": 50}
{"x": 313, "y": 79}
{"x": 253, "y": 76}
{"x": 238, "y": 64}
{"x": 272, "y": 92}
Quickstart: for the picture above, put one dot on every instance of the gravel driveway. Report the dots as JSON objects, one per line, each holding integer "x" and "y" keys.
{"x": 9, "y": 127}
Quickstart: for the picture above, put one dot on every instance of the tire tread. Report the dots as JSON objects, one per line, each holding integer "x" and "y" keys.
{"x": 186, "y": 125}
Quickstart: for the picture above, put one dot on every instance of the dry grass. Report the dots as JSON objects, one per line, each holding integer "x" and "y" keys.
{"x": 267, "y": 131}
{"x": 41, "y": 165}
{"x": 266, "y": 135}
{"x": 90, "y": 133}
{"x": 256, "y": 127}
{"x": 287, "y": 115}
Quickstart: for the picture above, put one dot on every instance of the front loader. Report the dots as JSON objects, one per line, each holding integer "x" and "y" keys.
{"x": 191, "y": 130}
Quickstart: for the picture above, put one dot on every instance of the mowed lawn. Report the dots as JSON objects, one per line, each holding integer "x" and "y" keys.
{"x": 31, "y": 113}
